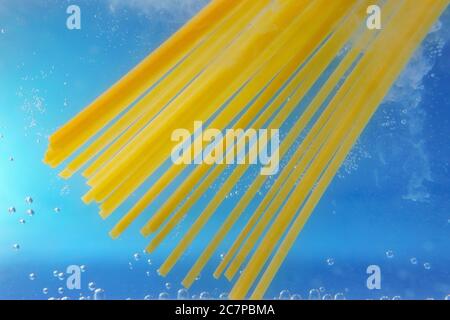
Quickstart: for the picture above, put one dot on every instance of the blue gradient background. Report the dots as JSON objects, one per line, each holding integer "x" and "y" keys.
{"x": 393, "y": 193}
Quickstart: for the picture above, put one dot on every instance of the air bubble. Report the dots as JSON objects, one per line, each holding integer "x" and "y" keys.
{"x": 168, "y": 286}
{"x": 223, "y": 296}
{"x": 390, "y": 254}
{"x": 427, "y": 265}
{"x": 91, "y": 286}
{"x": 284, "y": 295}
{"x": 29, "y": 200}
{"x": 205, "y": 295}
{"x": 11, "y": 210}
{"x": 16, "y": 246}
{"x": 330, "y": 261}
{"x": 30, "y": 212}
{"x": 32, "y": 276}
{"x": 60, "y": 290}
{"x": 163, "y": 296}
{"x": 413, "y": 260}
{"x": 45, "y": 290}
{"x": 137, "y": 256}
{"x": 314, "y": 294}
{"x": 339, "y": 296}
{"x": 182, "y": 294}
{"x": 99, "y": 294}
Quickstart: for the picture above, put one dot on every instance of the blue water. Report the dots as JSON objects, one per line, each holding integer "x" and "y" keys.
{"x": 390, "y": 202}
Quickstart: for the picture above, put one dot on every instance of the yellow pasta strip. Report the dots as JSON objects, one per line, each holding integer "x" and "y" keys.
{"x": 365, "y": 87}
{"x": 187, "y": 186}
{"x": 68, "y": 138}
{"x": 209, "y": 92}
{"x": 340, "y": 156}
{"x": 335, "y": 13}
{"x": 168, "y": 87}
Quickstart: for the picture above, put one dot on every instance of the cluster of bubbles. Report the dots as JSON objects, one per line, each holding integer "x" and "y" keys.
{"x": 313, "y": 294}
{"x": 413, "y": 260}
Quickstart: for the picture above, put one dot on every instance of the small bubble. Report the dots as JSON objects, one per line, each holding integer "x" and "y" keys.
{"x": 427, "y": 265}
{"x": 296, "y": 296}
{"x": 182, "y": 294}
{"x": 222, "y": 256}
{"x": 45, "y": 290}
{"x": 148, "y": 273}
{"x": 284, "y": 295}
{"x": 55, "y": 273}
{"x": 60, "y": 290}
{"x": 148, "y": 297}
{"x": 396, "y": 298}
{"x": 22, "y": 221}
{"x": 61, "y": 276}
{"x": 205, "y": 295}
{"x": 30, "y": 212}
{"x": 137, "y": 256}
{"x": 403, "y": 122}
{"x": 413, "y": 260}
{"x": 16, "y": 246}
{"x": 99, "y": 294}
{"x": 447, "y": 297}
{"x": 223, "y": 296}
{"x": 168, "y": 286}
{"x": 314, "y": 294}
{"x": 57, "y": 210}
{"x": 32, "y": 276}
{"x": 2, "y": 31}
{"x": 65, "y": 298}
{"x": 91, "y": 286}
{"x": 163, "y": 296}
{"x": 330, "y": 261}
{"x": 322, "y": 289}
{"x": 11, "y": 210}
{"x": 11, "y": 158}
{"x": 390, "y": 254}
{"x": 384, "y": 298}
{"x": 327, "y": 296}
{"x": 29, "y": 200}
{"x": 83, "y": 268}
{"x": 339, "y": 296}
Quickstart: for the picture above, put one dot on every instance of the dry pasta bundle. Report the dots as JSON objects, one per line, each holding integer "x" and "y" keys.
{"x": 312, "y": 66}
